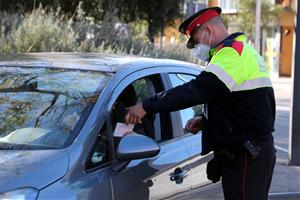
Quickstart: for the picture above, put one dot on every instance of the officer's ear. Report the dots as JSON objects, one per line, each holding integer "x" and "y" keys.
{"x": 209, "y": 29}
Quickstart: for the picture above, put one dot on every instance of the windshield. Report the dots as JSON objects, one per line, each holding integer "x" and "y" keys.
{"x": 45, "y": 107}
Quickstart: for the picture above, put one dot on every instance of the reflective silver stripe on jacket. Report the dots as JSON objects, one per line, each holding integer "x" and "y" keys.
{"x": 232, "y": 85}
{"x": 253, "y": 84}
{"x": 222, "y": 75}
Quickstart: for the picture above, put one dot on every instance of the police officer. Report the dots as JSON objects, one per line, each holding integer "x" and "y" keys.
{"x": 237, "y": 91}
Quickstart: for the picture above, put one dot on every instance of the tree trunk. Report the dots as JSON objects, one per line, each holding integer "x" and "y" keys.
{"x": 161, "y": 36}
{"x": 151, "y": 32}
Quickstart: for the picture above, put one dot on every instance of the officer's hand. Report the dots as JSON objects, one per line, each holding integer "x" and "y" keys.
{"x": 135, "y": 114}
{"x": 194, "y": 125}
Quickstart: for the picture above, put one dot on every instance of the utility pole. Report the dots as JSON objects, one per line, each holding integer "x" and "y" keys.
{"x": 34, "y": 5}
{"x": 257, "y": 25}
{"x": 294, "y": 136}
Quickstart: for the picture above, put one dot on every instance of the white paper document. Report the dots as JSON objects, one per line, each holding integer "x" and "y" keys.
{"x": 123, "y": 129}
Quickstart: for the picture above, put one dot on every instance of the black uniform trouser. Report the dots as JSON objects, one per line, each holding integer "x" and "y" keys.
{"x": 244, "y": 178}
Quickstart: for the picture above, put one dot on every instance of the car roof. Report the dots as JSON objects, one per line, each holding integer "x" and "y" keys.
{"x": 87, "y": 61}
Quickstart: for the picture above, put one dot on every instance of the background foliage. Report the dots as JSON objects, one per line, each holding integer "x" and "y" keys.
{"x": 246, "y": 16}
{"x": 118, "y": 26}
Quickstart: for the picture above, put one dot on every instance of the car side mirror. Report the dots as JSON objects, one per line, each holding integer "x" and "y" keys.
{"x": 135, "y": 146}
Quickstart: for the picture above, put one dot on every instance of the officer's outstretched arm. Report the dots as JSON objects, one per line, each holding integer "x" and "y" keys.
{"x": 204, "y": 88}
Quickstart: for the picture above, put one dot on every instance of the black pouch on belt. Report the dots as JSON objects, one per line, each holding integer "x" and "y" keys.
{"x": 251, "y": 149}
{"x": 213, "y": 170}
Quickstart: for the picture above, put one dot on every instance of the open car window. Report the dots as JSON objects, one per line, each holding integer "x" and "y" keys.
{"x": 155, "y": 126}
{"x": 45, "y": 107}
{"x": 130, "y": 96}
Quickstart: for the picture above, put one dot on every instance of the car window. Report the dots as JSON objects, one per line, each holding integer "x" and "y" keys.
{"x": 45, "y": 107}
{"x": 188, "y": 113}
{"x": 152, "y": 125}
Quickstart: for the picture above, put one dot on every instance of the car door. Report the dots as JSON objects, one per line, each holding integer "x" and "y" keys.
{"x": 192, "y": 141}
{"x": 166, "y": 175}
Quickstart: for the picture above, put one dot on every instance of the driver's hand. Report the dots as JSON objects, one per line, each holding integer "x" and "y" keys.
{"x": 194, "y": 125}
{"x": 135, "y": 114}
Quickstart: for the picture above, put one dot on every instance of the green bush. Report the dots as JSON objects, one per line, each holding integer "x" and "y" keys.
{"x": 8, "y": 23}
{"x": 171, "y": 52}
{"x": 36, "y": 32}
{"x": 45, "y": 30}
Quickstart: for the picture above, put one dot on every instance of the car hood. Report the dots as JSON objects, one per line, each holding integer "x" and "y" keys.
{"x": 31, "y": 168}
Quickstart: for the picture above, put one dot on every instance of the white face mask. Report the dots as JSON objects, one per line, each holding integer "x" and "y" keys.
{"x": 201, "y": 51}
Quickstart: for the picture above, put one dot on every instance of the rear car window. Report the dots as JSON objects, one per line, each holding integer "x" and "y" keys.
{"x": 188, "y": 113}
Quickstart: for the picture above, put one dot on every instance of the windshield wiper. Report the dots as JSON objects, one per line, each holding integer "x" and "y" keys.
{"x": 14, "y": 146}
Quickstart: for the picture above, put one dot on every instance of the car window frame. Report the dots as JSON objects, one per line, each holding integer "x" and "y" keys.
{"x": 129, "y": 79}
{"x": 119, "y": 82}
{"x": 101, "y": 112}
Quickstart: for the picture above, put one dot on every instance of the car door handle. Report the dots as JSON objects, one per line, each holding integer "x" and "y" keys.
{"x": 178, "y": 175}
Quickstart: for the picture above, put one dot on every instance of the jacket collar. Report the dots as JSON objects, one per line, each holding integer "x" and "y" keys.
{"x": 234, "y": 36}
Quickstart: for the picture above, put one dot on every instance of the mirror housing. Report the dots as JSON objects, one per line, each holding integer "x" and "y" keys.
{"x": 135, "y": 146}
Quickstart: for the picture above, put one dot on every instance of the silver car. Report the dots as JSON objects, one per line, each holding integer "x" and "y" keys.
{"x": 62, "y": 136}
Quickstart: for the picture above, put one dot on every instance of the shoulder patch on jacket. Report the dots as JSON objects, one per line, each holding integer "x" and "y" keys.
{"x": 236, "y": 45}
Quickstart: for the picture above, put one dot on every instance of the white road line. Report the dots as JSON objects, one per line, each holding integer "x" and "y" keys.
{"x": 283, "y": 108}
{"x": 281, "y": 149}
{"x": 284, "y": 194}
